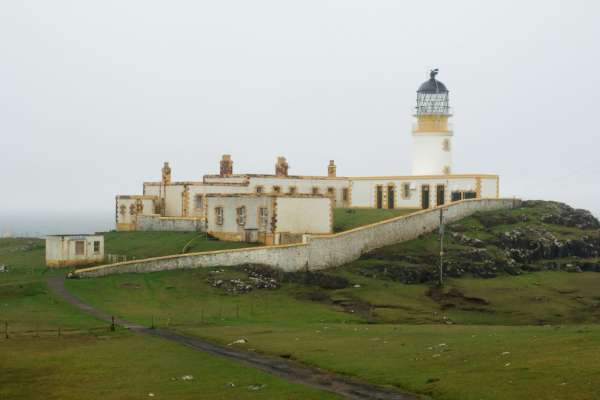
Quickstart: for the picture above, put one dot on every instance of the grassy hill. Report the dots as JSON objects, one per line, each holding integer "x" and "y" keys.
{"x": 518, "y": 316}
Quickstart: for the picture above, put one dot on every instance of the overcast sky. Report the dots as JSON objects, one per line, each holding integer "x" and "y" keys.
{"x": 95, "y": 95}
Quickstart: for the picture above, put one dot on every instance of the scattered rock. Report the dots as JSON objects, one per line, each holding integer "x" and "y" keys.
{"x": 239, "y": 341}
{"x": 256, "y": 387}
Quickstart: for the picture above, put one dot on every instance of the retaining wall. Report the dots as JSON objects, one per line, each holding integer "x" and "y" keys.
{"x": 317, "y": 251}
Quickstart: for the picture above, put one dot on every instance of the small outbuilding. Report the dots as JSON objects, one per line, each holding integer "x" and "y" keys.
{"x": 74, "y": 250}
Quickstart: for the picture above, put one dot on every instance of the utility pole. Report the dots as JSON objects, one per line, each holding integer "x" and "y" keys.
{"x": 441, "y": 230}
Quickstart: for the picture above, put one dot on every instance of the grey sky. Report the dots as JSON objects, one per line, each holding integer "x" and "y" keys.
{"x": 95, "y": 95}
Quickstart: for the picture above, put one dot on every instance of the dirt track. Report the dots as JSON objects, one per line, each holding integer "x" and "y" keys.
{"x": 286, "y": 369}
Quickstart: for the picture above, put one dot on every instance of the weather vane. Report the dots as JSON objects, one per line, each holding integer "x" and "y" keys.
{"x": 433, "y": 73}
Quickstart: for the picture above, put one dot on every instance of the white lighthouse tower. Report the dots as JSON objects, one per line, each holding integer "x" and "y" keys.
{"x": 432, "y": 135}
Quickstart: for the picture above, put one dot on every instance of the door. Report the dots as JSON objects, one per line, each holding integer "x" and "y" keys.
{"x": 391, "y": 197}
{"x": 379, "y": 197}
{"x": 441, "y": 193}
{"x": 425, "y": 196}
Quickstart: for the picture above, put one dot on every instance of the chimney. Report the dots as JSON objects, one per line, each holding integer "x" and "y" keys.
{"x": 331, "y": 169}
{"x": 166, "y": 173}
{"x": 226, "y": 166}
{"x": 281, "y": 168}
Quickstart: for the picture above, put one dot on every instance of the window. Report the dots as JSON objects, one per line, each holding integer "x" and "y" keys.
{"x": 96, "y": 246}
{"x": 406, "y": 190}
{"x": 276, "y": 189}
{"x": 132, "y": 209}
{"x": 198, "y": 201}
{"x": 219, "y": 217}
{"x": 263, "y": 217}
{"x": 292, "y": 190}
{"x": 446, "y": 145}
{"x": 330, "y": 191}
{"x": 470, "y": 195}
{"x": 456, "y": 196}
{"x": 79, "y": 247}
{"x": 259, "y": 189}
{"x": 345, "y": 194}
{"x": 315, "y": 190}
{"x": 241, "y": 216}
{"x": 123, "y": 210}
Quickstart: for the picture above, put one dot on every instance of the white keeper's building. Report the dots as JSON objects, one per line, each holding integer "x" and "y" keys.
{"x": 251, "y": 199}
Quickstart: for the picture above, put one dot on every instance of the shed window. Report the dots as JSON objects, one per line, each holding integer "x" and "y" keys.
{"x": 219, "y": 215}
{"x": 79, "y": 247}
{"x": 259, "y": 189}
{"x": 276, "y": 189}
{"x": 96, "y": 246}
{"x": 406, "y": 190}
{"x": 198, "y": 201}
{"x": 345, "y": 194}
{"x": 241, "y": 216}
{"x": 263, "y": 217}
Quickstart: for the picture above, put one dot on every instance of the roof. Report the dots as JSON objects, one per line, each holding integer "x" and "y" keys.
{"x": 432, "y": 85}
{"x": 76, "y": 235}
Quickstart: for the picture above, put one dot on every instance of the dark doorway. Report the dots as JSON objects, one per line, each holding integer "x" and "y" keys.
{"x": 391, "y": 197}
{"x": 441, "y": 195}
{"x": 425, "y": 196}
{"x": 379, "y": 197}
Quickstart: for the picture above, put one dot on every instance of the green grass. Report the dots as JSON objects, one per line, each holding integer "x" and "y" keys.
{"x": 400, "y": 346}
{"x": 87, "y": 361}
{"x": 126, "y": 366}
{"x": 350, "y": 218}
{"x": 156, "y": 244}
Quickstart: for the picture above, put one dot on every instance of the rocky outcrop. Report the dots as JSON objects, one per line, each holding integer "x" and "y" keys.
{"x": 538, "y": 236}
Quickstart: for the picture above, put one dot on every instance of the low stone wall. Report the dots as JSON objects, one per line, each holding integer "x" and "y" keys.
{"x": 178, "y": 224}
{"x": 318, "y": 252}
{"x": 333, "y": 250}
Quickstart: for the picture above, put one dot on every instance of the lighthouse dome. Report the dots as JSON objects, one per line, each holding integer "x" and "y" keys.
{"x": 432, "y": 86}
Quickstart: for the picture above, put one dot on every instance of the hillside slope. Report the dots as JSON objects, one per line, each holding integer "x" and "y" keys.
{"x": 538, "y": 236}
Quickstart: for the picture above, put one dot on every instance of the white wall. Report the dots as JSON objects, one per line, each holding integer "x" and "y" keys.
{"x": 304, "y": 215}
{"x": 429, "y": 156}
{"x": 230, "y": 205}
{"x": 304, "y": 185}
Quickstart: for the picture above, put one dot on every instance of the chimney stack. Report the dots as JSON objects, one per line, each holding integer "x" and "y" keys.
{"x": 331, "y": 169}
{"x": 166, "y": 173}
{"x": 226, "y": 166}
{"x": 281, "y": 168}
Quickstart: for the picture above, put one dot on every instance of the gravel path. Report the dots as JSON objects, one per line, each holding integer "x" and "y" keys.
{"x": 287, "y": 369}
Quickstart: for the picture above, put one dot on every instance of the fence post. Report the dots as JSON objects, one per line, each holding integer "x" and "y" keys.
{"x": 112, "y": 323}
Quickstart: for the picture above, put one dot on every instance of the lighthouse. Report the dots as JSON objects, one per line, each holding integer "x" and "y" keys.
{"x": 432, "y": 134}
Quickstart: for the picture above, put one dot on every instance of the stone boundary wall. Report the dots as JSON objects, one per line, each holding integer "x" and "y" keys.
{"x": 317, "y": 251}
{"x": 178, "y": 224}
